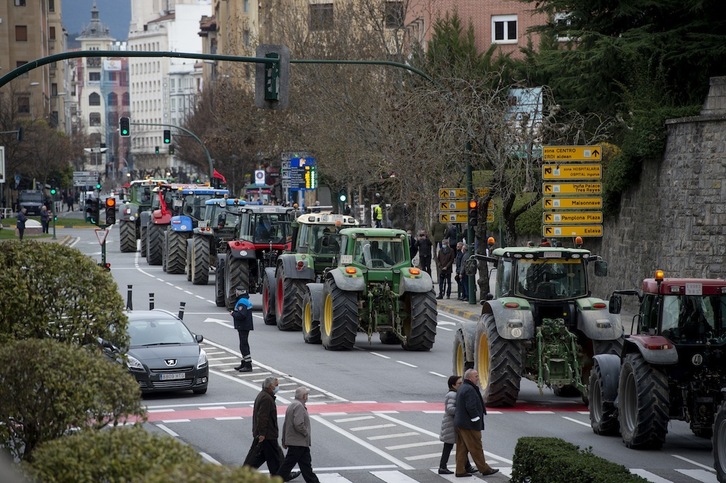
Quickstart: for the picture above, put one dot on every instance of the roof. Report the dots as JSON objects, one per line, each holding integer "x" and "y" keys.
{"x": 540, "y": 252}
{"x": 326, "y": 218}
{"x": 685, "y": 286}
{"x": 374, "y": 232}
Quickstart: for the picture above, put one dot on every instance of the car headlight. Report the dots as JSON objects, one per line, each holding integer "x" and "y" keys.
{"x": 202, "y": 361}
{"x": 134, "y": 364}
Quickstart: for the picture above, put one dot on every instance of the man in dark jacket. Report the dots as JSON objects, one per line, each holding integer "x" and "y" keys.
{"x": 242, "y": 316}
{"x": 424, "y": 252}
{"x": 265, "y": 432}
{"x": 444, "y": 261}
{"x": 296, "y": 439}
{"x": 469, "y": 422}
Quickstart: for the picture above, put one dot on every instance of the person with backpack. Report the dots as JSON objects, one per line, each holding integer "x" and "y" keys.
{"x": 242, "y": 316}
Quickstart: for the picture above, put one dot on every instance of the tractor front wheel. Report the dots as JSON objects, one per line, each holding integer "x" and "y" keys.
{"x": 339, "y": 318}
{"x": 603, "y": 416}
{"x": 719, "y": 444}
{"x": 499, "y": 363}
{"x": 288, "y": 301}
{"x": 219, "y": 280}
{"x": 643, "y": 403}
{"x": 419, "y": 321}
{"x": 127, "y": 236}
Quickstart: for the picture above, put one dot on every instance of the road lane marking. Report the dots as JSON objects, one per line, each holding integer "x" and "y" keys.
{"x": 407, "y": 364}
{"x": 649, "y": 476}
{"x": 391, "y": 436}
{"x": 577, "y": 422}
{"x": 167, "y": 430}
{"x": 413, "y": 445}
{"x": 209, "y": 458}
{"x": 700, "y": 475}
{"x": 375, "y": 426}
{"x": 393, "y": 477}
{"x": 350, "y": 420}
{"x": 694, "y": 463}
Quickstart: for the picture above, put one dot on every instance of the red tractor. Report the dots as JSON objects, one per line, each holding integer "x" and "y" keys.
{"x": 672, "y": 366}
{"x": 263, "y": 234}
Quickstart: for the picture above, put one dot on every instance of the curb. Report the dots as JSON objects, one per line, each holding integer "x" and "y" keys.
{"x": 465, "y": 313}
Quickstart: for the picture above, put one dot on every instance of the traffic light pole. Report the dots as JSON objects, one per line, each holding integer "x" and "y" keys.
{"x": 470, "y": 279}
{"x": 187, "y": 131}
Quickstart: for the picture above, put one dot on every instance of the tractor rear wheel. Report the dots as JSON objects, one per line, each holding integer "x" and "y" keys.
{"x": 288, "y": 301}
{"x": 499, "y": 363}
{"x": 719, "y": 443}
{"x": 219, "y": 280}
{"x": 603, "y": 416}
{"x": 268, "y": 300}
{"x": 143, "y": 233}
{"x": 419, "y": 322}
{"x": 127, "y": 236}
{"x": 200, "y": 260}
{"x": 310, "y": 326}
{"x": 643, "y": 403}
{"x": 236, "y": 274}
{"x": 176, "y": 251}
{"x": 459, "y": 361}
{"x": 339, "y": 318}
{"x": 154, "y": 244}
{"x": 188, "y": 262}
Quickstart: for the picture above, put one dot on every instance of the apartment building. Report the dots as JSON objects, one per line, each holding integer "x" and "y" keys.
{"x": 163, "y": 90}
{"x": 29, "y": 30}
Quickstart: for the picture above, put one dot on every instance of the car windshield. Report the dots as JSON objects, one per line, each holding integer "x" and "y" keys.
{"x": 550, "y": 279}
{"x": 270, "y": 228}
{"x": 694, "y": 317}
{"x": 158, "y": 332}
{"x": 378, "y": 252}
{"x": 325, "y": 239}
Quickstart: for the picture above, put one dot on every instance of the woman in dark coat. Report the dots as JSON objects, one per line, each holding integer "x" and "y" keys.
{"x": 448, "y": 431}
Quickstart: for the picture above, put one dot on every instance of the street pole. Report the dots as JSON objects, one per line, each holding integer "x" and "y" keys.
{"x": 471, "y": 279}
{"x": 52, "y": 212}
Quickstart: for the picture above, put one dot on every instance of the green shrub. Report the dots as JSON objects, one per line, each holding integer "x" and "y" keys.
{"x": 128, "y": 454}
{"x": 53, "y": 291}
{"x": 552, "y": 460}
{"x": 48, "y": 388}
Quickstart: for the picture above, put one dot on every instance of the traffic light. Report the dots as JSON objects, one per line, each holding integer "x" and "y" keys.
{"x": 124, "y": 127}
{"x": 272, "y": 79}
{"x": 156, "y": 149}
{"x": 167, "y": 136}
{"x": 110, "y": 211}
{"x": 98, "y": 184}
{"x": 171, "y": 149}
{"x": 473, "y": 213}
{"x": 19, "y": 134}
{"x": 342, "y": 196}
{"x": 92, "y": 211}
{"x": 53, "y": 191}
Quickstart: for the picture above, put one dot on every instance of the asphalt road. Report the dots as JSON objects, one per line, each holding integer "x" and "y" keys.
{"x": 376, "y": 410}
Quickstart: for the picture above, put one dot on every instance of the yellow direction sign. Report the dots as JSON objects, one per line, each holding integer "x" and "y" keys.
{"x": 482, "y": 192}
{"x": 574, "y": 230}
{"x": 452, "y": 194}
{"x": 490, "y": 217}
{"x": 594, "y": 203}
{"x": 452, "y": 206}
{"x": 550, "y": 189}
{"x": 453, "y": 218}
{"x": 572, "y": 217}
{"x": 572, "y": 171}
{"x": 571, "y": 153}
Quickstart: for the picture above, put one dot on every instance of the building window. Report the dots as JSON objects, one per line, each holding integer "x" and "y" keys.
{"x": 246, "y": 6}
{"x": 21, "y": 33}
{"x": 51, "y": 33}
{"x": 504, "y": 29}
{"x": 321, "y": 16}
{"x": 394, "y": 15}
{"x": 54, "y": 89}
{"x": 112, "y": 99}
{"x": 51, "y": 5}
{"x": 19, "y": 3}
{"x": 246, "y": 38}
{"x": 94, "y": 119}
{"x": 94, "y": 77}
{"x": 23, "y": 104}
{"x": 94, "y": 99}
{"x": 125, "y": 99}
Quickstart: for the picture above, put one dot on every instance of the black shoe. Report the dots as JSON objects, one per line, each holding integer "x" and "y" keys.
{"x": 462, "y": 475}
{"x": 491, "y": 471}
{"x": 240, "y": 366}
{"x": 295, "y": 474}
{"x": 471, "y": 470}
{"x": 439, "y": 297}
{"x": 445, "y": 471}
{"x": 246, "y": 367}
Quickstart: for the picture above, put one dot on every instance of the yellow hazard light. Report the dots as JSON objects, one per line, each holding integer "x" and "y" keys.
{"x": 350, "y": 270}
{"x": 659, "y": 275}
{"x": 414, "y": 271}
{"x": 490, "y": 240}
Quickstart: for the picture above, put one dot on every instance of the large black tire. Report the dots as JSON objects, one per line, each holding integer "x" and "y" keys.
{"x": 643, "y": 403}
{"x": 219, "y": 280}
{"x": 268, "y": 300}
{"x": 200, "y": 260}
{"x": 339, "y": 323}
{"x": 143, "y": 233}
{"x": 614, "y": 347}
{"x": 603, "y": 414}
{"x": 310, "y": 326}
{"x": 188, "y": 263}
{"x": 176, "y": 251}
{"x": 499, "y": 362}
{"x": 288, "y": 301}
{"x": 236, "y": 274}
{"x": 155, "y": 244}
{"x": 719, "y": 444}
{"x": 419, "y": 323}
{"x": 127, "y": 236}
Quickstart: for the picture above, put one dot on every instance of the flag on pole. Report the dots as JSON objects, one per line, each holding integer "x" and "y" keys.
{"x": 218, "y": 175}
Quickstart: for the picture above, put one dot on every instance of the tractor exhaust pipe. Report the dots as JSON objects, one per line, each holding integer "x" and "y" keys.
{"x": 151, "y": 300}
{"x": 182, "y": 306}
{"x": 129, "y": 296}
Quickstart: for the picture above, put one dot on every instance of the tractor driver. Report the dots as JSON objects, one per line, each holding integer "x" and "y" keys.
{"x": 262, "y": 230}
{"x": 379, "y": 254}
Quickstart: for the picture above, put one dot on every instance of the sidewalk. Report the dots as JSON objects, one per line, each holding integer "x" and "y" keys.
{"x": 459, "y": 308}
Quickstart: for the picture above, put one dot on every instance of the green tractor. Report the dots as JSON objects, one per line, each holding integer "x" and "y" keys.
{"x": 315, "y": 247}
{"x": 139, "y": 197}
{"x": 540, "y": 322}
{"x": 373, "y": 288}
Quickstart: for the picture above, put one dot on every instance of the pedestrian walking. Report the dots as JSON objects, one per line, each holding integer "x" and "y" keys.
{"x": 448, "y": 430}
{"x": 469, "y": 423}
{"x": 265, "y": 448}
{"x": 457, "y": 269}
{"x": 444, "y": 261}
{"x": 44, "y": 218}
{"x": 424, "y": 252}
{"x": 452, "y": 234}
{"x": 242, "y": 316}
{"x": 461, "y": 272}
{"x": 20, "y": 223}
{"x": 296, "y": 439}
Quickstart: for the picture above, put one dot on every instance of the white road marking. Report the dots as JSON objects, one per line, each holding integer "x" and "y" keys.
{"x": 349, "y": 420}
{"x": 167, "y": 430}
{"x": 437, "y": 374}
{"x": 587, "y": 425}
{"x": 413, "y": 445}
{"x": 375, "y": 426}
{"x": 649, "y": 476}
{"x": 391, "y": 436}
{"x": 406, "y": 364}
{"x": 700, "y": 475}
{"x": 209, "y": 458}
{"x": 694, "y": 463}
{"x": 393, "y": 477}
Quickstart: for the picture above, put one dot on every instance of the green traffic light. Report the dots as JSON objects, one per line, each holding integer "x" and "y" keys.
{"x": 52, "y": 191}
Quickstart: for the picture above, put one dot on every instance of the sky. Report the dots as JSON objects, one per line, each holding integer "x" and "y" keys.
{"x": 115, "y": 14}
